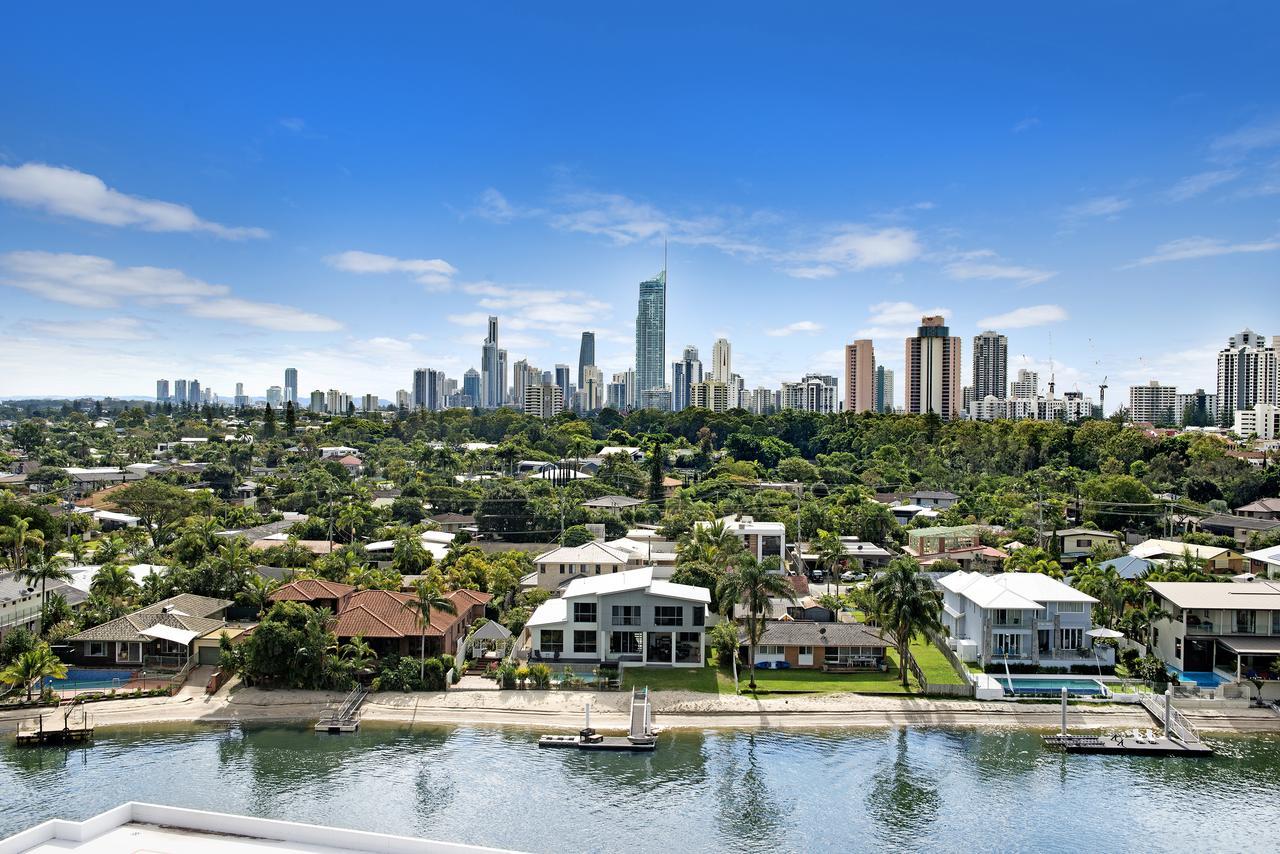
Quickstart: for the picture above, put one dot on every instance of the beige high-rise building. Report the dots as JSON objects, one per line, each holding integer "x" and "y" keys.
{"x": 1153, "y": 404}
{"x": 859, "y": 376}
{"x": 721, "y": 360}
{"x": 710, "y": 394}
{"x": 933, "y": 370}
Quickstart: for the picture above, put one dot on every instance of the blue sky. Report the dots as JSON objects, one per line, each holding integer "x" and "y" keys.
{"x": 219, "y": 196}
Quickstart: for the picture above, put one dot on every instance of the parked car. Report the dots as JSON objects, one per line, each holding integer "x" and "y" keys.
{"x": 851, "y": 576}
{"x": 817, "y": 575}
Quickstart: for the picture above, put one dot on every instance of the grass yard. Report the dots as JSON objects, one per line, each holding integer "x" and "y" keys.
{"x": 937, "y": 670}
{"x": 704, "y": 680}
{"x": 817, "y": 682}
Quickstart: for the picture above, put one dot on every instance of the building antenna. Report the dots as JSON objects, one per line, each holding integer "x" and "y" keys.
{"x": 664, "y": 260}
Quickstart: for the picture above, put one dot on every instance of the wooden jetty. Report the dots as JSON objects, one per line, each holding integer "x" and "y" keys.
{"x": 1178, "y": 737}
{"x": 640, "y": 739}
{"x": 345, "y": 717}
{"x": 35, "y": 732}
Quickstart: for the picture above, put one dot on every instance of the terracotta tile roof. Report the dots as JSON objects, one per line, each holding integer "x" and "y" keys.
{"x": 464, "y": 599}
{"x": 310, "y": 589}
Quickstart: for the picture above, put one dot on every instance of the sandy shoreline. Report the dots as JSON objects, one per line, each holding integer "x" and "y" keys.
{"x": 556, "y": 710}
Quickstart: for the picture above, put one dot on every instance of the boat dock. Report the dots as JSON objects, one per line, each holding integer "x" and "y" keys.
{"x": 1177, "y": 738}
{"x": 640, "y": 739}
{"x": 345, "y": 717}
{"x": 35, "y": 733}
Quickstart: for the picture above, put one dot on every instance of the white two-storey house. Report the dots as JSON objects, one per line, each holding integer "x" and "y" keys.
{"x": 1021, "y": 617}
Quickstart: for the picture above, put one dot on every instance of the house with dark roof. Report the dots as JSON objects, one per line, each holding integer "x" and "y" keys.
{"x": 933, "y": 499}
{"x": 1263, "y": 508}
{"x": 159, "y": 635}
{"x": 817, "y": 646}
{"x": 1239, "y": 528}
{"x": 452, "y": 523}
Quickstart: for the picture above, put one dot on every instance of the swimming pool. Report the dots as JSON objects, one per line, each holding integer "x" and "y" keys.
{"x": 90, "y": 678}
{"x": 1035, "y": 687}
{"x": 1203, "y": 678}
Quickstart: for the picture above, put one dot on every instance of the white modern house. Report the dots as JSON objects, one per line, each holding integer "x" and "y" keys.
{"x": 562, "y": 565}
{"x": 760, "y": 539}
{"x": 625, "y": 616}
{"x": 1021, "y": 617}
{"x": 1220, "y": 632}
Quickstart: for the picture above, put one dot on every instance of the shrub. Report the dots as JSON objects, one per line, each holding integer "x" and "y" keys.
{"x": 540, "y": 674}
{"x": 507, "y": 675}
{"x": 522, "y": 675}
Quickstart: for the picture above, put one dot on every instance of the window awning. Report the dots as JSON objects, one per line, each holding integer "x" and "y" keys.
{"x": 952, "y": 612}
{"x": 1252, "y": 646}
{"x": 170, "y": 633}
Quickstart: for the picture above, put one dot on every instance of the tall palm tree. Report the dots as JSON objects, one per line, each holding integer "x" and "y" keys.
{"x": 831, "y": 554}
{"x": 43, "y": 571}
{"x": 21, "y": 538}
{"x": 427, "y": 598}
{"x": 33, "y": 666}
{"x": 753, "y": 583}
{"x": 905, "y": 605}
{"x": 114, "y": 582}
{"x": 76, "y": 547}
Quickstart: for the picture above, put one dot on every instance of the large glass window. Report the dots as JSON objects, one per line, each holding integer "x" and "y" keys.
{"x": 1070, "y": 607}
{"x": 668, "y": 615}
{"x": 624, "y": 643}
{"x": 699, "y": 615}
{"x": 584, "y": 642}
{"x": 626, "y": 615}
{"x": 551, "y": 640}
{"x": 1246, "y": 622}
{"x": 688, "y": 647}
{"x": 659, "y": 647}
{"x": 1073, "y": 638}
{"x": 584, "y": 612}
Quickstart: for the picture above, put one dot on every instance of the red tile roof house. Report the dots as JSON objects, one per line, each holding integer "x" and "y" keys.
{"x": 351, "y": 463}
{"x": 385, "y": 619}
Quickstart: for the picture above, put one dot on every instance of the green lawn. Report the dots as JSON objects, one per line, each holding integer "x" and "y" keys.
{"x": 704, "y": 680}
{"x": 937, "y": 670}
{"x": 714, "y": 680}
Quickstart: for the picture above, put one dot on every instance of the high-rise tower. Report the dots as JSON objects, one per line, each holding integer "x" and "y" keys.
{"x": 586, "y": 354}
{"x": 860, "y": 376}
{"x": 990, "y": 365}
{"x": 491, "y": 378}
{"x": 933, "y": 370}
{"x": 291, "y": 386}
{"x": 651, "y": 334}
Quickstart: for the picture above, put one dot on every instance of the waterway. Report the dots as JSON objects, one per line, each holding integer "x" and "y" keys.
{"x": 863, "y": 790}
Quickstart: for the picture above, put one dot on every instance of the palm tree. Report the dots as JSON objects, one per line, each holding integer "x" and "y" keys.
{"x": 257, "y": 592}
{"x": 33, "y": 666}
{"x": 905, "y": 605}
{"x": 753, "y": 583}
{"x": 712, "y": 543}
{"x": 114, "y": 582}
{"x": 21, "y": 537}
{"x": 427, "y": 598}
{"x": 408, "y": 557}
{"x": 358, "y": 652}
{"x": 46, "y": 570}
{"x": 831, "y": 553}
{"x": 76, "y": 547}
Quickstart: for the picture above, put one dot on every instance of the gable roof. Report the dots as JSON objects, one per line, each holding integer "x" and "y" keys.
{"x": 806, "y": 633}
{"x": 1084, "y": 532}
{"x": 1021, "y": 590}
{"x": 1262, "y": 505}
{"x": 1249, "y": 523}
{"x": 1128, "y": 566}
{"x": 1175, "y": 549}
{"x": 184, "y": 612}
{"x": 612, "y": 502}
{"x": 592, "y": 552}
{"x": 390, "y": 614}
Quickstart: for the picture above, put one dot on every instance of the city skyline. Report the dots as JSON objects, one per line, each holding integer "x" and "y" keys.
{"x": 330, "y": 224}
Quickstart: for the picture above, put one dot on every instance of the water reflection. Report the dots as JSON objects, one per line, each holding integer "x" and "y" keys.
{"x": 901, "y": 797}
{"x": 750, "y": 812}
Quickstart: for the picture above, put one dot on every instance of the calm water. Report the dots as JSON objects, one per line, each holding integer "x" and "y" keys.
{"x": 913, "y": 789}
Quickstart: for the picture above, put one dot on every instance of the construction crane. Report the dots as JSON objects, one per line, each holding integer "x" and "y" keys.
{"x": 1102, "y": 396}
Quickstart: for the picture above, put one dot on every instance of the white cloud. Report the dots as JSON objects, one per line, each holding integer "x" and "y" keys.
{"x": 1193, "y": 185}
{"x": 66, "y": 192}
{"x": 495, "y": 207}
{"x": 854, "y": 248}
{"x": 265, "y": 315}
{"x": 99, "y": 329}
{"x": 1021, "y": 318}
{"x": 1249, "y": 138}
{"x": 1099, "y": 207}
{"x": 986, "y": 264}
{"x": 435, "y": 273}
{"x": 792, "y": 328}
{"x": 92, "y": 282}
{"x": 1189, "y": 248}
{"x": 534, "y": 308}
{"x": 1026, "y": 124}
{"x": 89, "y": 281}
{"x": 896, "y": 319}
{"x": 293, "y": 123}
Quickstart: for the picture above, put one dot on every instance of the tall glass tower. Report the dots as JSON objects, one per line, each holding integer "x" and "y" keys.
{"x": 651, "y": 334}
{"x": 586, "y": 355}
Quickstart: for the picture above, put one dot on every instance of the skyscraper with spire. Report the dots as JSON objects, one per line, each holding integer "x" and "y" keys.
{"x": 651, "y": 334}
{"x": 491, "y": 379}
{"x": 586, "y": 355}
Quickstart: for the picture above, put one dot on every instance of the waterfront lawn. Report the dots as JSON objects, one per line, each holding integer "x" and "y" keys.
{"x": 818, "y": 682}
{"x": 703, "y": 680}
{"x": 934, "y": 664}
